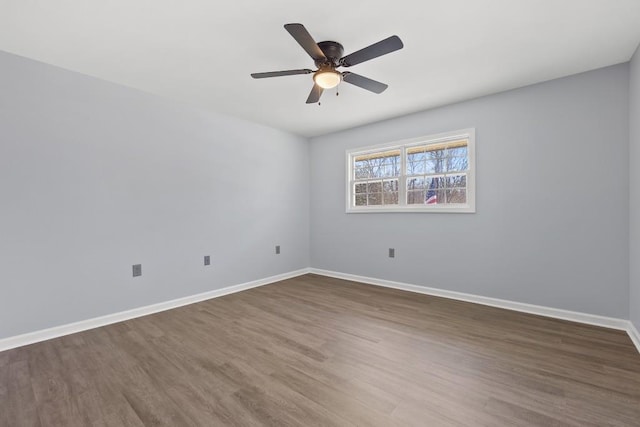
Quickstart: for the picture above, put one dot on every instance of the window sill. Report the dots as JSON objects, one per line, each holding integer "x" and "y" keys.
{"x": 417, "y": 209}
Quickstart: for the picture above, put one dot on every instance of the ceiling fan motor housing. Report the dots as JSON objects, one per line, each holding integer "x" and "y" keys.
{"x": 333, "y": 51}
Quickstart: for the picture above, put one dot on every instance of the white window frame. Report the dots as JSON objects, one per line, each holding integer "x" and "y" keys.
{"x": 402, "y": 206}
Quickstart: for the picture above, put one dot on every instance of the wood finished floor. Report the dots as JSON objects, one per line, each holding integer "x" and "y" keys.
{"x": 318, "y": 351}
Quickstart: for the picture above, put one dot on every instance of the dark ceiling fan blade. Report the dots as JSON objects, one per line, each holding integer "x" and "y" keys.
{"x": 280, "y": 73}
{"x": 316, "y": 93}
{"x": 364, "y": 82}
{"x": 305, "y": 40}
{"x": 383, "y": 47}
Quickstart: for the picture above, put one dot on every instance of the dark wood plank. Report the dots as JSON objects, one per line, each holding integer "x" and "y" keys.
{"x": 317, "y": 351}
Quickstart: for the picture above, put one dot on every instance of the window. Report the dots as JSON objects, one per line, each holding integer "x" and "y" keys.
{"x": 429, "y": 174}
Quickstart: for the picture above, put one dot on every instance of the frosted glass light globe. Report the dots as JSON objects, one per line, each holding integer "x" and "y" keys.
{"x": 327, "y": 79}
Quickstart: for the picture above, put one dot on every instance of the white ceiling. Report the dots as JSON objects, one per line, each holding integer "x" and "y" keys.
{"x": 201, "y": 52}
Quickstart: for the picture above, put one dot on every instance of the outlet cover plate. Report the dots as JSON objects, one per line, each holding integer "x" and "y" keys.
{"x": 137, "y": 270}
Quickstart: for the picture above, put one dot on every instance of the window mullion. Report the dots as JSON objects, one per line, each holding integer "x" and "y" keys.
{"x": 402, "y": 181}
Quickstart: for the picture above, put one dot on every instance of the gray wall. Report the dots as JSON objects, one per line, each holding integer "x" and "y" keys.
{"x": 95, "y": 177}
{"x": 634, "y": 170}
{"x": 551, "y": 226}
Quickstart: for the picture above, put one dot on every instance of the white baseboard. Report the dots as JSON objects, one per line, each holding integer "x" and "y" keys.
{"x": 71, "y": 328}
{"x": 574, "y": 316}
{"x": 634, "y": 335}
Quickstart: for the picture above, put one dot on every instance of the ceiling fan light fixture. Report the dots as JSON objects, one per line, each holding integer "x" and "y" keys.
{"x": 327, "y": 79}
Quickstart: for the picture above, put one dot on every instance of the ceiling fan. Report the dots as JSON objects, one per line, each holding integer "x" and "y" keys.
{"x": 328, "y": 57}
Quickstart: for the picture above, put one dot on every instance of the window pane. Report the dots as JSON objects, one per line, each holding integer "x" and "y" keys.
{"x": 457, "y": 196}
{"x": 361, "y": 188}
{"x": 457, "y": 164}
{"x": 436, "y": 154}
{"x": 390, "y": 192}
{"x": 375, "y": 169}
{"x": 435, "y": 197}
{"x": 374, "y": 187}
{"x": 362, "y": 172}
{"x": 415, "y": 197}
{"x": 391, "y": 198}
{"x": 415, "y": 183}
{"x": 377, "y": 165}
{"x": 374, "y": 198}
{"x": 416, "y": 156}
{"x": 457, "y": 151}
{"x": 456, "y": 181}
{"x": 390, "y": 185}
{"x": 416, "y": 168}
{"x": 357, "y": 164}
{"x": 435, "y": 166}
{"x": 391, "y": 169}
{"x": 361, "y": 200}
{"x": 434, "y": 182}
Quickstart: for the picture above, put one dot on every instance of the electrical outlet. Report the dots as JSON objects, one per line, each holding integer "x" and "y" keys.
{"x": 277, "y": 249}
{"x": 207, "y": 260}
{"x": 392, "y": 253}
{"x": 137, "y": 270}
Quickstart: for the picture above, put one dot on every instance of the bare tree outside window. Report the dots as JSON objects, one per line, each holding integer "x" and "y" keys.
{"x": 377, "y": 178}
{"x": 436, "y": 173}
